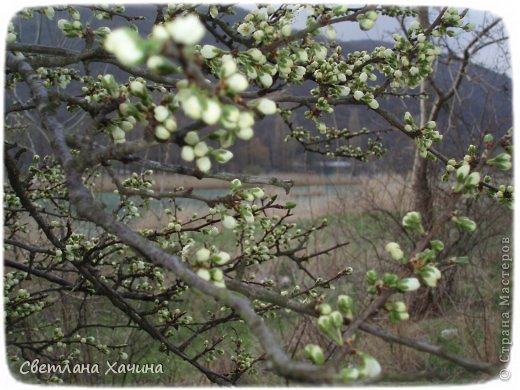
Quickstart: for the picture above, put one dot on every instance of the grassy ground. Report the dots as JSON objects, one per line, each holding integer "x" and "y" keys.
{"x": 366, "y": 214}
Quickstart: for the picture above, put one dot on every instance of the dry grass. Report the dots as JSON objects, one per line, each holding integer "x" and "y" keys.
{"x": 473, "y": 315}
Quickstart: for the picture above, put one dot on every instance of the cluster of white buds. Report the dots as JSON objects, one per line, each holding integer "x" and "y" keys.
{"x": 235, "y": 123}
{"x": 167, "y": 123}
{"x": 502, "y": 161}
{"x": 314, "y": 353}
{"x": 397, "y": 311}
{"x": 367, "y": 20}
{"x": 72, "y": 28}
{"x": 430, "y": 275}
{"x": 412, "y": 222}
{"x": 346, "y": 306}
{"x": 465, "y": 181}
{"x": 207, "y": 262}
{"x": 465, "y": 223}
{"x": 395, "y": 251}
{"x": 257, "y": 27}
{"x": 330, "y": 322}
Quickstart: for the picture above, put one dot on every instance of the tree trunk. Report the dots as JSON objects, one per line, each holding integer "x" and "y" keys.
{"x": 427, "y": 303}
{"x": 422, "y": 193}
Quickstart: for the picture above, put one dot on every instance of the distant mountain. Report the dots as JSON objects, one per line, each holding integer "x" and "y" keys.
{"x": 483, "y": 104}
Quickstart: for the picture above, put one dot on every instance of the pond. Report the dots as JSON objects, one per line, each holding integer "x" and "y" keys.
{"x": 307, "y": 197}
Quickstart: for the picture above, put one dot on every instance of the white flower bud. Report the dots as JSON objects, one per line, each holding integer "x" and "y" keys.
{"x": 415, "y": 25}
{"x": 187, "y": 153}
{"x": 258, "y": 193}
{"x": 430, "y": 125}
{"x": 202, "y": 255}
{"x": 201, "y": 149}
{"x": 62, "y": 23}
{"x": 399, "y": 306}
{"x": 221, "y": 258}
{"x": 203, "y": 273}
{"x": 330, "y": 32}
{"x": 237, "y": 83}
{"x": 302, "y": 55}
{"x": 257, "y": 56}
{"x": 126, "y": 125}
{"x": 473, "y": 179}
{"x": 402, "y": 316}
{"x": 248, "y": 217}
{"x": 408, "y": 284}
{"x": 11, "y": 37}
{"x": 462, "y": 172}
{"x": 358, "y": 95}
{"x": 321, "y": 53}
{"x": 430, "y": 275}
{"x": 229, "y": 66}
{"x": 209, "y": 51}
{"x": 394, "y": 250}
{"x": 124, "y": 109}
{"x": 162, "y": 133}
{"x": 246, "y": 119}
{"x": 286, "y": 30}
{"x": 118, "y": 134}
{"x": 230, "y": 117}
{"x": 374, "y": 105}
{"x": 245, "y": 134}
{"x": 137, "y": 88}
{"x": 170, "y": 124}
{"x": 212, "y": 112}
{"x": 371, "y": 367}
{"x": 258, "y": 35}
{"x": 213, "y": 11}
{"x": 160, "y": 33}
{"x": 160, "y": 113}
{"x": 191, "y": 138}
{"x": 366, "y": 24}
{"x": 251, "y": 73}
{"x": 192, "y": 107}
{"x": 349, "y": 374}
{"x": 229, "y": 222}
{"x": 156, "y": 62}
{"x": 222, "y": 156}
{"x": 217, "y": 274}
{"x": 204, "y": 164}
{"x": 123, "y": 43}
{"x": 266, "y": 106}
{"x": 344, "y": 90}
{"x": 187, "y": 30}
{"x": 266, "y": 80}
